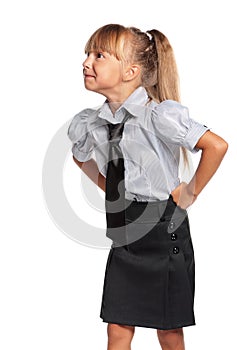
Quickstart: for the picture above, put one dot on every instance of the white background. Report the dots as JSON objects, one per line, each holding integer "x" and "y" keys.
{"x": 51, "y": 286}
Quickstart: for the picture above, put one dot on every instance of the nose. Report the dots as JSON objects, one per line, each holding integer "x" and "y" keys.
{"x": 87, "y": 63}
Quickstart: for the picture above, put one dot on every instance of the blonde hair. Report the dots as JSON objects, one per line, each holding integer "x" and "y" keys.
{"x": 151, "y": 50}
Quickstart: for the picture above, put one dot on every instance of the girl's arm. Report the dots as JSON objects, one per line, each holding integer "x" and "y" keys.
{"x": 213, "y": 150}
{"x": 90, "y": 168}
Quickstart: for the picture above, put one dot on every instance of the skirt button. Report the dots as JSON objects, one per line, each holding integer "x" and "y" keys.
{"x": 173, "y": 236}
{"x": 176, "y": 250}
{"x": 172, "y": 225}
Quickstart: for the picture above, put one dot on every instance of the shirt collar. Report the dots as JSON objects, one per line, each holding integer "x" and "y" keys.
{"x": 135, "y": 105}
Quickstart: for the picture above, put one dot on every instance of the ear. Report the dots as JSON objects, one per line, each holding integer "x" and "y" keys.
{"x": 131, "y": 72}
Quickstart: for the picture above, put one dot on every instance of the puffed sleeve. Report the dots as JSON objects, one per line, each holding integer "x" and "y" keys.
{"x": 82, "y": 146}
{"x": 172, "y": 124}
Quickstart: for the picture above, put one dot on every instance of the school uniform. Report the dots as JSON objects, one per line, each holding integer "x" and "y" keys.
{"x": 150, "y": 272}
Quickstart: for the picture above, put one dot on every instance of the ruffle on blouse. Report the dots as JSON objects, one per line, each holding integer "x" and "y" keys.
{"x": 171, "y": 123}
{"x": 80, "y": 136}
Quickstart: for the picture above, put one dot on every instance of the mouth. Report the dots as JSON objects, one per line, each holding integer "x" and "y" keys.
{"x": 88, "y": 76}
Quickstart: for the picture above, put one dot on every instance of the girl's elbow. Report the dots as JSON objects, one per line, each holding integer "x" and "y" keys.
{"x": 221, "y": 147}
{"x": 224, "y": 146}
{"x": 217, "y": 148}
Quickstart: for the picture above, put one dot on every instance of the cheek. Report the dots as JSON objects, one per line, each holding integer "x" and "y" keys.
{"x": 110, "y": 74}
{"x": 116, "y": 73}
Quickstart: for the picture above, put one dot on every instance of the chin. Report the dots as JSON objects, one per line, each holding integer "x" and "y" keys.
{"x": 88, "y": 87}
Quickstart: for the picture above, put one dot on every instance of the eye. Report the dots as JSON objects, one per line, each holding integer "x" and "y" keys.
{"x": 100, "y": 55}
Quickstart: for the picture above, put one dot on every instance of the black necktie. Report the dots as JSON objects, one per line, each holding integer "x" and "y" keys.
{"x": 115, "y": 187}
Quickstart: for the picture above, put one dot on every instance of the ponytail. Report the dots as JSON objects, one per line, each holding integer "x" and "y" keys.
{"x": 167, "y": 80}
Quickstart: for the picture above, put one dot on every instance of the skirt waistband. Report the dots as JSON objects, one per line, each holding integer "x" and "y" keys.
{"x": 154, "y": 211}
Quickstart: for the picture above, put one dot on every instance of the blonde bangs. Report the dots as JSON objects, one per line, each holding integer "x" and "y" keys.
{"x": 110, "y": 38}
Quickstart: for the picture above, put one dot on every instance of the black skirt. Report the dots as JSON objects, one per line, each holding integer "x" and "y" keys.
{"x": 149, "y": 280}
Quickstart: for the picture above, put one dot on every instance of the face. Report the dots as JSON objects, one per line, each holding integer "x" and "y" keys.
{"x": 102, "y": 73}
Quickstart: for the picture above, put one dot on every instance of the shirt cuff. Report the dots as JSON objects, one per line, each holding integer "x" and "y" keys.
{"x": 194, "y": 134}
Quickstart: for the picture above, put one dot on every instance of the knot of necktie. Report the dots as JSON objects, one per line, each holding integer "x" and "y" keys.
{"x": 115, "y": 135}
{"x": 115, "y": 131}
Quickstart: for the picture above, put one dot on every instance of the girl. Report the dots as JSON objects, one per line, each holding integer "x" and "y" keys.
{"x": 149, "y": 277}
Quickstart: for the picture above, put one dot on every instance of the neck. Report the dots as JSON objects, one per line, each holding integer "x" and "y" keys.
{"x": 116, "y": 98}
{"x": 114, "y": 106}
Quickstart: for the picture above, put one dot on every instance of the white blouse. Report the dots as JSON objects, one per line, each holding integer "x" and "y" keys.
{"x": 150, "y": 143}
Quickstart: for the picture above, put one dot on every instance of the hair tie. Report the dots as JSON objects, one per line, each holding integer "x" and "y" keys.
{"x": 150, "y": 37}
